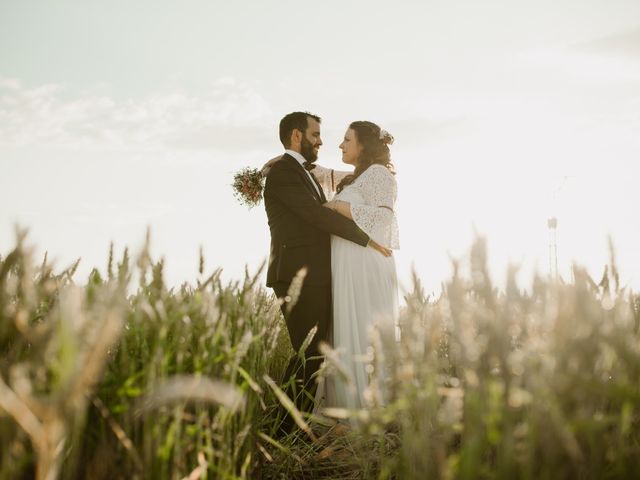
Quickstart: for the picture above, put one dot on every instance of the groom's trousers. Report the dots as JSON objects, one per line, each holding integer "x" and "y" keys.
{"x": 314, "y": 307}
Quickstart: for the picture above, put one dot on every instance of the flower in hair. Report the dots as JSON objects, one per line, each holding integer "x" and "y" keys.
{"x": 386, "y": 137}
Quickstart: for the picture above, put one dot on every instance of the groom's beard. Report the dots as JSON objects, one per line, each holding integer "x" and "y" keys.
{"x": 307, "y": 151}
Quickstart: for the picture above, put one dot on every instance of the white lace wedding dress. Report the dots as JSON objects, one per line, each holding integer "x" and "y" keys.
{"x": 364, "y": 282}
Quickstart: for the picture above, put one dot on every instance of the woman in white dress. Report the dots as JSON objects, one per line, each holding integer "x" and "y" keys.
{"x": 364, "y": 283}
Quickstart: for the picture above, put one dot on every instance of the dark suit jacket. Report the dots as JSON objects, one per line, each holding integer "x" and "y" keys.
{"x": 300, "y": 226}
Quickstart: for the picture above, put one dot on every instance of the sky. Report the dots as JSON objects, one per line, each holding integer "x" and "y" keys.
{"x": 117, "y": 116}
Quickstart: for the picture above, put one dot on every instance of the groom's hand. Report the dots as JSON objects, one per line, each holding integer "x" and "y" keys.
{"x": 376, "y": 246}
{"x": 267, "y": 166}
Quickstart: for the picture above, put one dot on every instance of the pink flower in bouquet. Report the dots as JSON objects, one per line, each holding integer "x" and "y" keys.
{"x": 248, "y": 184}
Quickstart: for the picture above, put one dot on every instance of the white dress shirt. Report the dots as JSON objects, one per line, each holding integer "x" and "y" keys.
{"x": 301, "y": 161}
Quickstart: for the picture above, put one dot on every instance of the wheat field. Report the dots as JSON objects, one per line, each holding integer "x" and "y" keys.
{"x": 118, "y": 376}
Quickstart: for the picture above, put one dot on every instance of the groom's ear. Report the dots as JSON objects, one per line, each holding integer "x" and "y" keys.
{"x": 296, "y": 136}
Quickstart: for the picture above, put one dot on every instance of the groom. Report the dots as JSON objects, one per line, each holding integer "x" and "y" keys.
{"x": 300, "y": 237}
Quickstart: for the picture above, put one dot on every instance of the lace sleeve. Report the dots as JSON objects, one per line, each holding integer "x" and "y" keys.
{"x": 329, "y": 179}
{"x": 377, "y": 216}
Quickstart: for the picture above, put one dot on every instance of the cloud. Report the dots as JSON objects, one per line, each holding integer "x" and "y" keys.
{"x": 625, "y": 44}
{"x": 228, "y": 113}
{"x": 613, "y": 59}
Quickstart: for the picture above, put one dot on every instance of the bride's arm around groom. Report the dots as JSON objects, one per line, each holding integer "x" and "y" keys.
{"x": 328, "y": 178}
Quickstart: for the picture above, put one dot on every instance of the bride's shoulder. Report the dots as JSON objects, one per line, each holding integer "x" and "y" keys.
{"x": 378, "y": 171}
{"x": 380, "y": 168}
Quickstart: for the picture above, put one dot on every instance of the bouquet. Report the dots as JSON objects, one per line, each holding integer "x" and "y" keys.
{"x": 248, "y": 184}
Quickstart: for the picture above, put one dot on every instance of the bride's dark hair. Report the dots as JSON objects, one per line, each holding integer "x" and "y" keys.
{"x": 375, "y": 150}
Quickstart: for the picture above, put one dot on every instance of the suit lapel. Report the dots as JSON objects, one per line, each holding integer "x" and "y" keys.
{"x": 303, "y": 173}
{"x": 323, "y": 199}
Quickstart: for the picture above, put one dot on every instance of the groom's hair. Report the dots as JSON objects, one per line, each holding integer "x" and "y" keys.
{"x": 294, "y": 121}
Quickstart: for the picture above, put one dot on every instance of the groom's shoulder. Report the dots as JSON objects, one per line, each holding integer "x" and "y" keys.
{"x": 286, "y": 158}
{"x": 284, "y": 164}
{"x": 280, "y": 171}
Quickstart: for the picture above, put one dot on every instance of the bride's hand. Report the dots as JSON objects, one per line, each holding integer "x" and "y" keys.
{"x": 267, "y": 166}
{"x": 376, "y": 246}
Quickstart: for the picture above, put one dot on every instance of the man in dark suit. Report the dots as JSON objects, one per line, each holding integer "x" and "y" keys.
{"x": 301, "y": 230}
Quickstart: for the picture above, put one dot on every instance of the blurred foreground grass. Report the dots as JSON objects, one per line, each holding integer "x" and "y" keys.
{"x": 98, "y": 382}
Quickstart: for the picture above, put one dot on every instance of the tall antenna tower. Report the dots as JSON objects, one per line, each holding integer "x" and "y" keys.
{"x": 552, "y": 224}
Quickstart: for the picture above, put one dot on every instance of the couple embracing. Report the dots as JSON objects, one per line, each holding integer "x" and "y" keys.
{"x": 341, "y": 227}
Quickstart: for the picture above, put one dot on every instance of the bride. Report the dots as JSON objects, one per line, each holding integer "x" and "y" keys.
{"x": 364, "y": 283}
